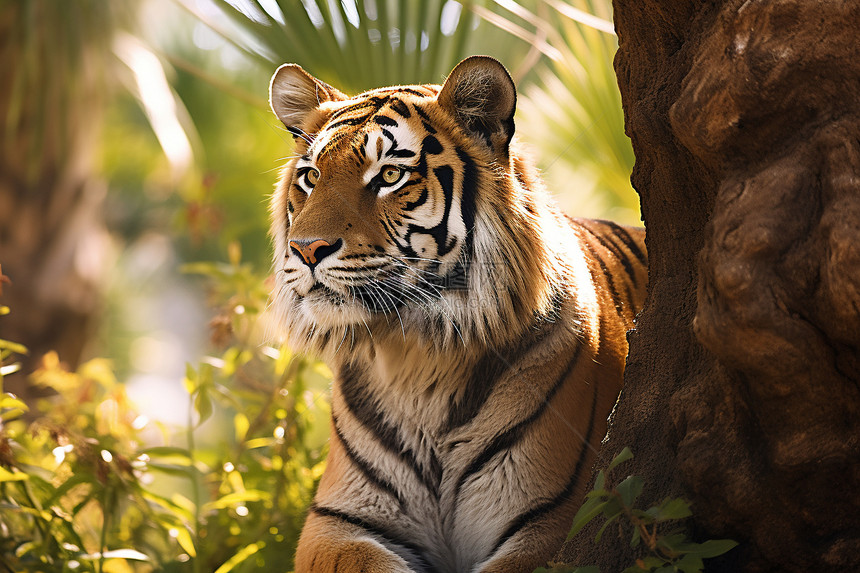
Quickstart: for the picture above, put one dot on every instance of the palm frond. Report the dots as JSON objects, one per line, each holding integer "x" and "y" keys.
{"x": 572, "y": 111}
{"x": 362, "y": 44}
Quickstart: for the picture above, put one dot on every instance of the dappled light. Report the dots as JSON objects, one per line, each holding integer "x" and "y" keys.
{"x": 152, "y": 416}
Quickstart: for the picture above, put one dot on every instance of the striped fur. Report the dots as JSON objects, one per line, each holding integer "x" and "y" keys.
{"x": 477, "y": 334}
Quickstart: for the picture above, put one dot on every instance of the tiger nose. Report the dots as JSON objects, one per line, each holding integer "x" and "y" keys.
{"x": 312, "y": 251}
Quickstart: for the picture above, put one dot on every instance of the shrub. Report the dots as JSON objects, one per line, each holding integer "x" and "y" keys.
{"x": 88, "y": 484}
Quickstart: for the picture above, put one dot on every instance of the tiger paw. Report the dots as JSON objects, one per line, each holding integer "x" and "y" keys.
{"x": 365, "y": 556}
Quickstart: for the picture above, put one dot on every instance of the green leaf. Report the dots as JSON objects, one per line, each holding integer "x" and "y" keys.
{"x": 75, "y": 480}
{"x": 13, "y": 406}
{"x": 7, "y": 476}
{"x": 612, "y": 507}
{"x": 259, "y": 443}
{"x": 637, "y": 537}
{"x": 689, "y": 564}
{"x": 672, "y": 542}
{"x": 240, "y": 556}
{"x": 167, "y": 452}
{"x": 622, "y": 457}
{"x": 238, "y": 497}
{"x": 588, "y": 511}
{"x": 600, "y": 481}
{"x": 183, "y": 537}
{"x": 712, "y": 548}
{"x": 630, "y": 489}
{"x": 202, "y": 405}
{"x": 605, "y": 525}
{"x": 676, "y": 508}
{"x": 178, "y": 510}
{"x": 190, "y": 380}
{"x": 13, "y": 346}
{"x": 173, "y": 469}
{"x": 241, "y": 424}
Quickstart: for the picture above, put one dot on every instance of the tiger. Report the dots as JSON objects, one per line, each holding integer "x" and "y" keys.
{"x": 477, "y": 336}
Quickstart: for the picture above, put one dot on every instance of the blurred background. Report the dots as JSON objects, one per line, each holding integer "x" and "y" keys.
{"x": 151, "y": 419}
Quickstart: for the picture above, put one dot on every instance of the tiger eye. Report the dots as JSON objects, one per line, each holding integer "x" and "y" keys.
{"x": 391, "y": 174}
{"x": 312, "y": 177}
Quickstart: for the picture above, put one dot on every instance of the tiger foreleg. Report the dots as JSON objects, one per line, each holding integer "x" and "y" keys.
{"x": 328, "y": 545}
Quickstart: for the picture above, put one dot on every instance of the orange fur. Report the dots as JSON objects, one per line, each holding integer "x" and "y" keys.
{"x": 465, "y": 415}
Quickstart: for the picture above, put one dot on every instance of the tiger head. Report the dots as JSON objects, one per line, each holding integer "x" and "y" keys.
{"x": 406, "y": 212}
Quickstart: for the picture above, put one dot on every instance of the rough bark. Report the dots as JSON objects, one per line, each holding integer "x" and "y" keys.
{"x": 743, "y": 383}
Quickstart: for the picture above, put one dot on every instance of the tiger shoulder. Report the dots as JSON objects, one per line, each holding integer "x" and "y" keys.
{"x": 477, "y": 335}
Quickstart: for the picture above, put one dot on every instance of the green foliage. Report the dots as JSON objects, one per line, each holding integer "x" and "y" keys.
{"x": 83, "y": 488}
{"x": 665, "y": 547}
{"x": 364, "y": 44}
{"x": 572, "y": 113}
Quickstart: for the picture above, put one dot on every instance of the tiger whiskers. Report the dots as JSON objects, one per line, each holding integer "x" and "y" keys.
{"x": 425, "y": 301}
{"x": 394, "y": 303}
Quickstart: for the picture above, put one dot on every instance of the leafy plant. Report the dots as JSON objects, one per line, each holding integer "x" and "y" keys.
{"x": 571, "y": 110}
{"x": 665, "y": 546}
{"x": 363, "y": 44}
{"x": 88, "y": 484}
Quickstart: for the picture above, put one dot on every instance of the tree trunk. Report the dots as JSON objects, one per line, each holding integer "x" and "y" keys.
{"x": 52, "y": 232}
{"x": 743, "y": 383}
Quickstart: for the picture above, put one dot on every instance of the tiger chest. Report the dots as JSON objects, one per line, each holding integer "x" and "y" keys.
{"x": 428, "y": 471}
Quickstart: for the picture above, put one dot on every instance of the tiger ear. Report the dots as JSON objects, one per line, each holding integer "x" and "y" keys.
{"x": 481, "y": 95}
{"x": 294, "y": 93}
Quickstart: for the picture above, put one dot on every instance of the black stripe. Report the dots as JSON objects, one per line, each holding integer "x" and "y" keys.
{"x": 384, "y": 120}
{"x": 365, "y": 468}
{"x": 348, "y": 121}
{"x": 445, "y": 175}
{"x": 382, "y": 535}
{"x": 484, "y": 377}
{"x": 359, "y": 269}
{"x": 299, "y": 134}
{"x": 372, "y": 102}
{"x": 365, "y": 408}
{"x": 401, "y": 153}
{"x": 514, "y": 434}
{"x": 422, "y": 198}
{"x": 468, "y": 199}
{"x": 413, "y": 92}
{"x": 404, "y": 189}
{"x": 470, "y": 190}
{"x": 631, "y": 244}
{"x": 431, "y": 145}
{"x": 400, "y": 107}
{"x": 426, "y": 118}
{"x": 610, "y": 280}
{"x": 490, "y": 368}
{"x": 610, "y": 246}
{"x": 542, "y": 509}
